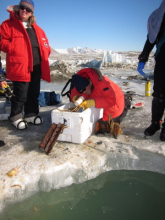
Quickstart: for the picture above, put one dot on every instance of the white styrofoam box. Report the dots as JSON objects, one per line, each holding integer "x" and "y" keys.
{"x": 80, "y": 125}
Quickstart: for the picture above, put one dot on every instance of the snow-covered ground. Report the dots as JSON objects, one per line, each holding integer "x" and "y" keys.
{"x": 26, "y": 169}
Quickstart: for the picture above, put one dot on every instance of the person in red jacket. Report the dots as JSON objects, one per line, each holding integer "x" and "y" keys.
{"x": 101, "y": 92}
{"x": 27, "y": 50}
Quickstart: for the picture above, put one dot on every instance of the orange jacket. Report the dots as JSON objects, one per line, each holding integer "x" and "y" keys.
{"x": 107, "y": 94}
{"x": 16, "y": 44}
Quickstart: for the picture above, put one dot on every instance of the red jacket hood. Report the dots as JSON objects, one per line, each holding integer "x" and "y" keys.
{"x": 90, "y": 73}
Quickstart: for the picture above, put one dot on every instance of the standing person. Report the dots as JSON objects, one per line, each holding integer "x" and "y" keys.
{"x": 27, "y": 51}
{"x": 156, "y": 36}
{"x": 99, "y": 91}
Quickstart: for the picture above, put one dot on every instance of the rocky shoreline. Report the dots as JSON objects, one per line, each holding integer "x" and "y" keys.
{"x": 63, "y": 70}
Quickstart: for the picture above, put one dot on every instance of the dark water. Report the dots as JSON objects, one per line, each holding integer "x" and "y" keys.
{"x": 55, "y": 85}
{"x": 115, "y": 195}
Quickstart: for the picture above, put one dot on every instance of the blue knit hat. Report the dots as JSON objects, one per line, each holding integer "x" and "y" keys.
{"x": 27, "y": 3}
{"x": 79, "y": 82}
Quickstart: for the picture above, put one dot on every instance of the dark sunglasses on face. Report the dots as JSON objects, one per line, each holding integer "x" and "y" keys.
{"x": 25, "y": 8}
{"x": 83, "y": 90}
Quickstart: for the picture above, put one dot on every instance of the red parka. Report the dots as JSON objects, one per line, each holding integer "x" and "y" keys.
{"x": 16, "y": 44}
{"x": 107, "y": 94}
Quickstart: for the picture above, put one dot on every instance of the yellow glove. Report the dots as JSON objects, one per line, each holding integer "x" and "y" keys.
{"x": 3, "y": 84}
{"x": 75, "y": 98}
{"x": 87, "y": 104}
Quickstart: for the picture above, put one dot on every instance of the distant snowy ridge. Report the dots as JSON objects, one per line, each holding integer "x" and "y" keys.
{"x": 79, "y": 50}
{"x": 87, "y": 57}
{"x": 98, "y": 57}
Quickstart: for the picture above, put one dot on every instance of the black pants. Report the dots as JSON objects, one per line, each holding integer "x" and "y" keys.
{"x": 159, "y": 80}
{"x": 25, "y": 96}
{"x": 124, "y": 113}
{"x": 158, "y": 103}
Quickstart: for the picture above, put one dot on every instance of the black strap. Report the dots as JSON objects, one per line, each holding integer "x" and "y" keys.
{"x": 70, "y": 81}
{"x": 69, "y": 91}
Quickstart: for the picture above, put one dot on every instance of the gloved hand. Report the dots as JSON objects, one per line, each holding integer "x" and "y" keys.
{"x": 3, "y": 84}
{"x": 75, "y": 98}
{"x": 87, "y": 104}
{"x": 140, "y": 68}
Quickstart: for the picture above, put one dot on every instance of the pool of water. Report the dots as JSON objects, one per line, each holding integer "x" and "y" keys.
{"x": 115, "y": 195}
{"x": 55, "y": 85}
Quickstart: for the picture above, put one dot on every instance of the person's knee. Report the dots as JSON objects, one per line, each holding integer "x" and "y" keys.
{"x": 127, "y": 104}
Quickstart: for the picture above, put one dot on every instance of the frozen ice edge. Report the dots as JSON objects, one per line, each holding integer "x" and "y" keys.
{"x": 71, "y": 163}
{"x": 68, "y": 163}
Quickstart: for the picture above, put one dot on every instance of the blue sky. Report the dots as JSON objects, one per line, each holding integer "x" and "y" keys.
{"x": 118, "y": 25}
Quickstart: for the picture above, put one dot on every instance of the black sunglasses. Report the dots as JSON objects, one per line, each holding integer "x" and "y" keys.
{"x": 25, "y": 8}
{"x": 83, "y": 90}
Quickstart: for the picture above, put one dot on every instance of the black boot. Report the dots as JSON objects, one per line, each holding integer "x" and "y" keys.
{"x": 152, "y": 129}
{"x": 158, "y": 105}
{"x": 162, "y": 133}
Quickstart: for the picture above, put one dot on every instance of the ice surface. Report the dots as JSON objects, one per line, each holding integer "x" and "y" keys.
{"x": 26, "y": 169}
{"x": 114, "y": 57}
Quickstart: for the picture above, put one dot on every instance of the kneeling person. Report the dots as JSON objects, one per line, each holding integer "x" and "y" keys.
{"x": 101, "y": 92}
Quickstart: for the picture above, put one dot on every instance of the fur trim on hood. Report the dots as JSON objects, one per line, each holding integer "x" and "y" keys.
{"x": 13, "y": 8}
